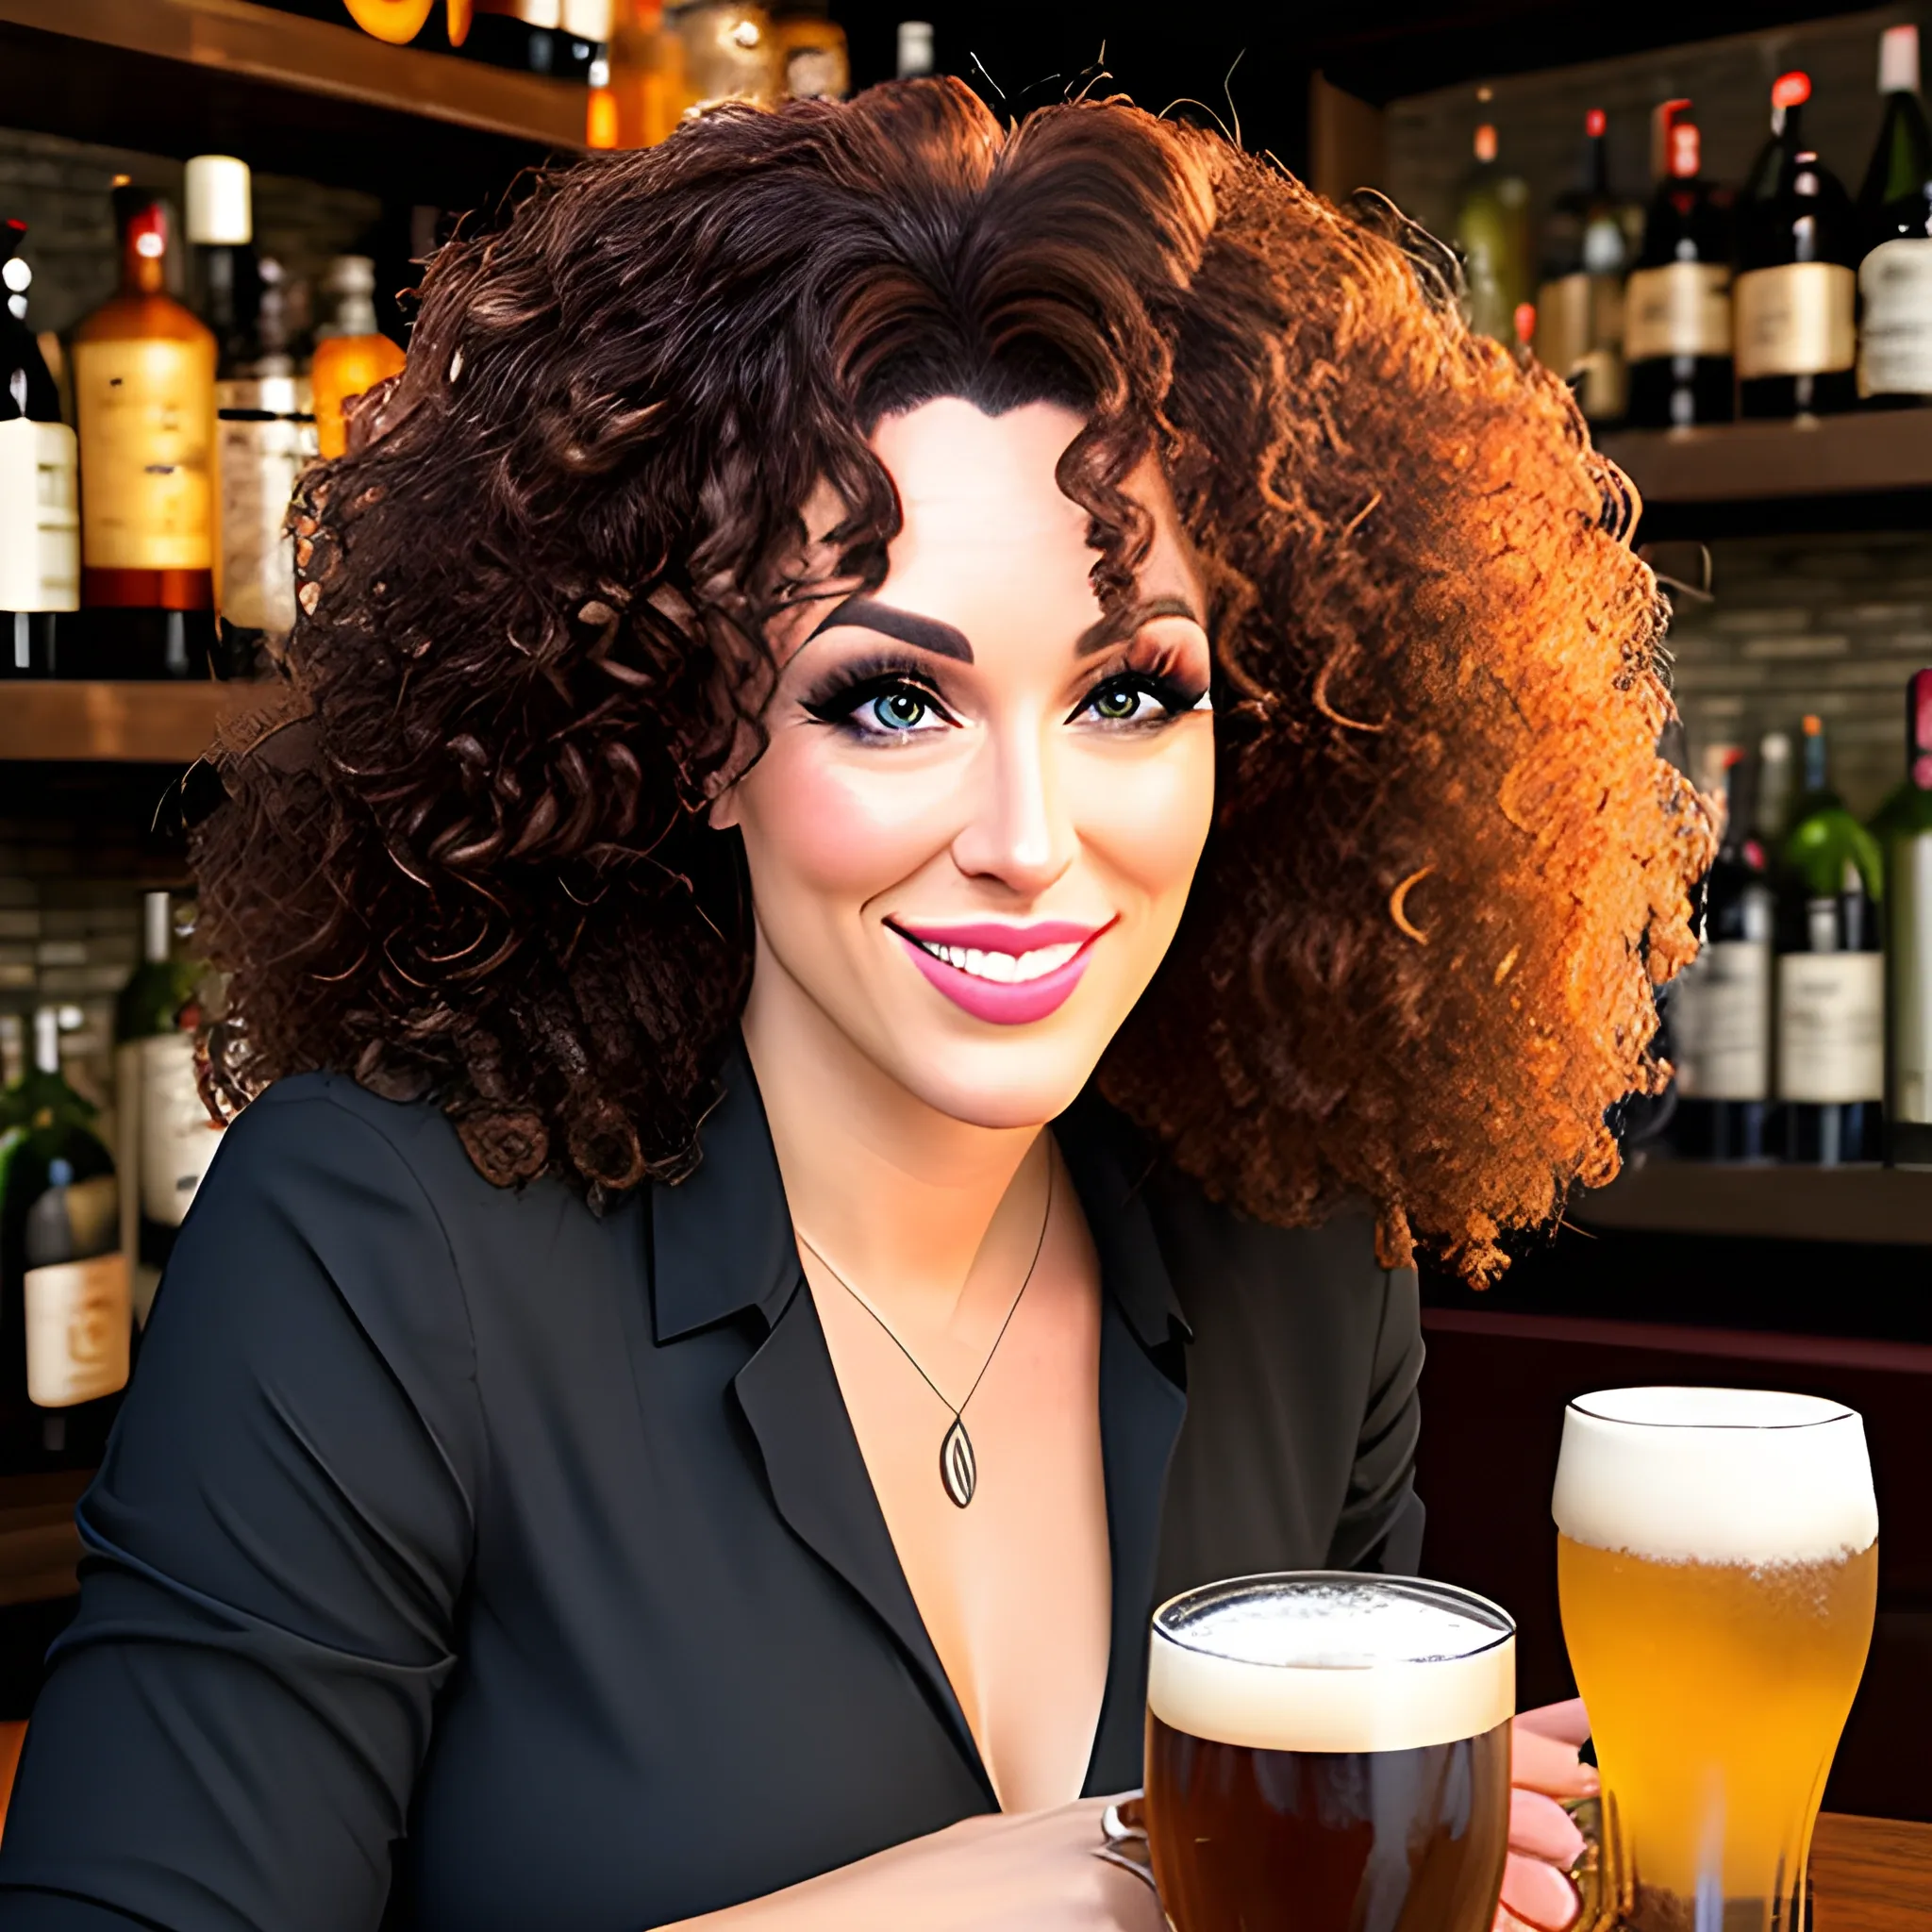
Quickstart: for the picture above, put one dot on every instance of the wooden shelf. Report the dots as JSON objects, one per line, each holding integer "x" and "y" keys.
{"x": 1817, "y": 1204}
{"x": 1754, "y": 463}
{"x": 39, "y": 1543}
{"x": 285, "y": 91}
{"x": 152, "y": 724}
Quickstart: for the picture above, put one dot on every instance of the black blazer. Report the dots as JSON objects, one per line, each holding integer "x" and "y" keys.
{"x": 462, "y": 1561}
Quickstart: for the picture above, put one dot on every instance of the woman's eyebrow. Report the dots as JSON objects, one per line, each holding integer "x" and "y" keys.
{"x": 1111, "y": 630}
{"x": 922, "y": 633}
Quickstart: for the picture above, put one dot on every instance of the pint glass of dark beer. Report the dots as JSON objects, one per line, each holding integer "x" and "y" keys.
{"x": 1329, "y": 1753}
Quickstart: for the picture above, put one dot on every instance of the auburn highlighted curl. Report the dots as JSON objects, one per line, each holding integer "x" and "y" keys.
{"x": 466, "y": 856}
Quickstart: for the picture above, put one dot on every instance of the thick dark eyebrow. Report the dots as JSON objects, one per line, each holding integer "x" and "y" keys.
{"x": 1111, "y": 630}
{"x": 922, "y": 633}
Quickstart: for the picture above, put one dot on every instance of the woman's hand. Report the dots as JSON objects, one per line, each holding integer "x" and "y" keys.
{"x": 1544, "y": 1844}
{"x": 1035, "y": 1868}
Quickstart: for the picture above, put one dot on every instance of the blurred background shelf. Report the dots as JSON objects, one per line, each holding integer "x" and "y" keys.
{"x": 1749, "y": 462}
{"x": 39, "y": 1543}
{"x": 157, "y": 724}
{"x": 1863, "y": 1204}
{"x": 308, "y": 96}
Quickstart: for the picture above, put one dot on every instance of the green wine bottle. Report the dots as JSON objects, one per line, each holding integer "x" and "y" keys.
{"x": 1908, "y": 943}
{"x": 66, "y": 1325}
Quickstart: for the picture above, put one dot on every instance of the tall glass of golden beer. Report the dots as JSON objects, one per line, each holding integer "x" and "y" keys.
{"x": 1718, "y": 1564}
{"x": 1329, "y": 1753}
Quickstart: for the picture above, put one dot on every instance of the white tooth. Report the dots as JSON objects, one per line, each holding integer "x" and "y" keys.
{"x": 1045, "y": 959}
{"x": 1003, "y": 967}
{"x": 954, "y": 955}
{"x": 974, "y": 962}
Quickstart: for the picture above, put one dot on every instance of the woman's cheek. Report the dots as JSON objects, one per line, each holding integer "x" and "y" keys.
{"x": 849, "y": 827}
{"x": 1146, "y": 818}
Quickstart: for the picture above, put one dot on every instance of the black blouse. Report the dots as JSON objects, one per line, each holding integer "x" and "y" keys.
{"x": 462, "y": 1561}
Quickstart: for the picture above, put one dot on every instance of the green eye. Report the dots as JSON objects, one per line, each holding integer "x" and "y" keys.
{"x": 900, "y": 710}
{"x": 1116, "y": 702}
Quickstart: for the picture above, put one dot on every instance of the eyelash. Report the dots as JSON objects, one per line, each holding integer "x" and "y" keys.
{"x": 841, "y": 698}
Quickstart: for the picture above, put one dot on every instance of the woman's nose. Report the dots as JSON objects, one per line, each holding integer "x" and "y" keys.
{"x": 1019, "y": 832}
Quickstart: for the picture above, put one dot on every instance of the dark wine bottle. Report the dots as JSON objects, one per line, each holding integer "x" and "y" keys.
{"x": 1677, "y": 305}
{"x": 39, "y": 521}
{"x": 1796, "y": 287}
{"x": 65, "y": 1329}
{"x": 1722, "y": 1026}
{"x": 1909, "y": 943}
{"x": 166, "y": 1138}
{"x": 1895, "y": 234}
{"x": 1830, "y": 975}
{"x": 563, "y": 39}
{"x": 1579, "y": 303}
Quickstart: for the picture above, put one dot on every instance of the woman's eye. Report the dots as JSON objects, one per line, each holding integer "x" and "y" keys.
{"x": 900, "y": 710}
{"x": 1128, "y": 701}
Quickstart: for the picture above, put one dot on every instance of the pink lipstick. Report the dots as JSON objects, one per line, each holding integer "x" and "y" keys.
{"x": 1007, "y": 975}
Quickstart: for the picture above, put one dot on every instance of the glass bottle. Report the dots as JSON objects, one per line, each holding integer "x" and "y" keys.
{"x": 1677, "y": 307}
{"x": 352, "y": 354}
{"x": 144, "y": 397}
{"x": 65, "y": 1322}
{"x": 646, "y": 84}
{"x": 812, "y": 55}
{"x": 1909, "y": 943}
{"x": 40, "y": 521}
{"x": 729, "y": 51}
{"x": 1895, "y": 223}
{"x": 1579, "y": 307}
{"x": 1795, "y": 290}
{"x": 1491, "y": 230}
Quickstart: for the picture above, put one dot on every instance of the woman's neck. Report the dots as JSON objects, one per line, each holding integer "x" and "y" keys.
{"x": 899, "y": 1198}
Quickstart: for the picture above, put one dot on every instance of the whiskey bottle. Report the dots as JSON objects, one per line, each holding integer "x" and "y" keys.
{"x": 352, "y": 354}
{"x": 144, "y": 390}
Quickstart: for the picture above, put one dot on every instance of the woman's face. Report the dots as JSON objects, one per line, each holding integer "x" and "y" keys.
{"x": 972, "y": 831}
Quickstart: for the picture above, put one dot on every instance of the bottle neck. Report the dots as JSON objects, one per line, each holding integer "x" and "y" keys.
{"x": 156, "y": 927}
{"x": 46, "y": 1040}
{"x": 1817, "y": 762}
{"x": 1919, "y": 731}
{"x": 144, "y": 251}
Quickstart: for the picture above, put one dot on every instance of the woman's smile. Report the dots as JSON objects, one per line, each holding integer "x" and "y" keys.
{"x": 1004, "y": 975}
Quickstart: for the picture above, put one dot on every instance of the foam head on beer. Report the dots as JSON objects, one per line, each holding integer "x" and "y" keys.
{"x": 1332, "y": 1662}
{"x": 1715, "y": 1476}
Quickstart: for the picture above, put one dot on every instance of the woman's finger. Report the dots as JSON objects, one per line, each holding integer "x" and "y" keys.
{"x": 1549, "y": 1765}
{"x": 1537, "y": 1893}
{"x": 1541, "y": 1828}
{"x": 1568, "y": 1722}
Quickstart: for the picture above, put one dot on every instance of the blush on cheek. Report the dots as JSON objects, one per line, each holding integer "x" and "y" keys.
{"x": 1149, "y": 819}
{"x": 823, "y": 825}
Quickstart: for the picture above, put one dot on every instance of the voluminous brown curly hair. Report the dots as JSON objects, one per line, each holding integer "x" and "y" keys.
{"x": 1448, "y": 867}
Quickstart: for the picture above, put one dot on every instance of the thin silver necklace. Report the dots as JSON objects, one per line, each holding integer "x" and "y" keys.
{"x": 958, "y": 1466}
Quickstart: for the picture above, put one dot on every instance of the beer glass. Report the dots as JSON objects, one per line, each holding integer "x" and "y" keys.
{"x": 1329, "y": 1753}
{"x": 1717, "y": 1560}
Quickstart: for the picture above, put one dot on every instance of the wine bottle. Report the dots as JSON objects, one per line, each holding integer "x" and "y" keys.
{"x": 1796, "y": 287}
{"x": 352, "y": 354}
{"x": 1491, "y": 232}
{"x": 1830, "y": 975}
{"x": 915, "y": 52}
{"x": 262, "y": 419}
{"x": 1723, "y": 1018}
{"x": 39, "y": 521}
{"x": 1909, "y": 943}
{"x": 166, "y": 1138}
{"x": 1579, "y": 306}
{"x": 64, "y": 1318}
{"x": 811, "y": 50}
{"x": 1895, "y": 234}
{"x": 143, "y": 388}
{"x": 563, "y": 39}
{"x": 1677, "y": 307}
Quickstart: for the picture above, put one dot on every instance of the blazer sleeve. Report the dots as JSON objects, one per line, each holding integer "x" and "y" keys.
{"x": 275, "y": 1553}
{"x": 1380, "y": 1526}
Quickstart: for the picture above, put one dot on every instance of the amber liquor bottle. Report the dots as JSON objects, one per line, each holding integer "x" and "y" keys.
{"x": 144, "y": 397}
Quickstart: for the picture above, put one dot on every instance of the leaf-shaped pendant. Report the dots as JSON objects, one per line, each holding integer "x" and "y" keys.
{"x": 958, "y": 1470}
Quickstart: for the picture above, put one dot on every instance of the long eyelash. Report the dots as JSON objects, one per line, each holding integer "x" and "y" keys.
{"x": 1154, "y": 672}
{"x": 841, "y": 692}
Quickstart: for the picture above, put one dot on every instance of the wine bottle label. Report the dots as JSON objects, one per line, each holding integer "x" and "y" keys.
{"x": 1796, "y": 319}
{"x": 1909, "y": 886}
{"x": 261, "y": 446}
{"x": 1830, "y": 1028}
{"x": 77, "y": 1326}
{"x": 1721, "y": 1023}
{"x": 1683, "y": 309}
{"x": 39, "y": 517}
{"x": 1895, "y": 339}
{"x": 147, "y": 411}
{"x": 177, "y": 1139}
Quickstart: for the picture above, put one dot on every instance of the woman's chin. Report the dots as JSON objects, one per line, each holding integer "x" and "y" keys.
{"x": 1019, "y": 1076}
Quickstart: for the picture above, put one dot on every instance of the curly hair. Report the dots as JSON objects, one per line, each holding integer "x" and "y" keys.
{"x": 468, "y": 857}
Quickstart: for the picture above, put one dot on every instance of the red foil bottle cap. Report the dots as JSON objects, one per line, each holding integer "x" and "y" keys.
{"x": 1790, "y": 89}
{"x": 1594, "y": 121}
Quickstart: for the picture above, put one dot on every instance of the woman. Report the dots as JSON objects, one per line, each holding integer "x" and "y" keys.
{"x": 939, "y": 784}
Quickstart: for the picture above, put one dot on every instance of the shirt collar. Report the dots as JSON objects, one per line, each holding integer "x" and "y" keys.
{"x": 722, "y": 1240}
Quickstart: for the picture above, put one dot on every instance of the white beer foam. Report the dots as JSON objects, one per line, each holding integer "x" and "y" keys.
{"x": 1715, "y": 1476}
{"x": 1332, "y": 1662}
